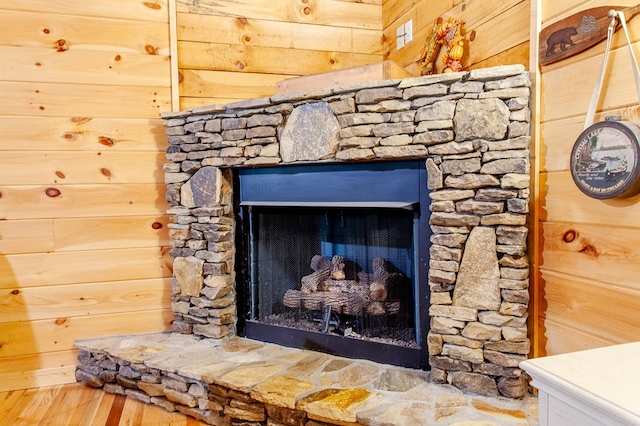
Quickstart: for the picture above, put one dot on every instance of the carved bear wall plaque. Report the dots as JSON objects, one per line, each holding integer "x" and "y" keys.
{"x": 577, "y": 33}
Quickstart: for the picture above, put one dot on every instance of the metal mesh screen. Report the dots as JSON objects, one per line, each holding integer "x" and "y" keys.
{"x": 346, "y": 271}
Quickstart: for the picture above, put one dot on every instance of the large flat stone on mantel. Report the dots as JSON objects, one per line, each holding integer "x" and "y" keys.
{"x": 329, "y": 389}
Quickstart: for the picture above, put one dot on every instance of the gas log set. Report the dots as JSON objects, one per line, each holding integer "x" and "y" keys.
{"x": 361, "y": 292}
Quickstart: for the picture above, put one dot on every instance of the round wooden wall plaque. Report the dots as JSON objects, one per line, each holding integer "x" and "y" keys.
{"x": 605, "y": 160}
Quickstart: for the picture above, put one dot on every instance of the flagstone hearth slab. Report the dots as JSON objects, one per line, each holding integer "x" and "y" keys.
{"x": 322, "y": 387}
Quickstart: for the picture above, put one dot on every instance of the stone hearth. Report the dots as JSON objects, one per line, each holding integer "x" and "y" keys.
{"x": 249, "y": 383}
{"x": 471, "y": 129}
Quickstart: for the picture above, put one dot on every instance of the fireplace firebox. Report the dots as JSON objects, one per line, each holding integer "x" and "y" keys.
{"x": 334, "y": 258}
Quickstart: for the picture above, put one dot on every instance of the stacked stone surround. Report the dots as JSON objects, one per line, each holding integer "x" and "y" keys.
{"x": 471, "y": 129}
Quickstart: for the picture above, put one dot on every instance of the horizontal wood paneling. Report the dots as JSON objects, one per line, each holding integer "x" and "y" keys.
{"x": 193, "y": 102}
{"x": 81, "y": 133}
{"x": 553, "y": 10}
{"x": 83, "y": 224}
{"x": 111, "y": 232}
{"x": 247, "y": 59}
{"x": 517, "y": 55}
{"x": 82, "y": 100}
{"x": 615, "y": 93}
{"x": 509, "y": 28}
{"x": 60, "y": 33}
{"x": 581, "y": 250}
{"x": 561, "y": 339}
{"x": 149, "y": 10}
{"x": 393, "y": 9}
{"x": 563, "y": 202}
{"x": 592, "y": 307}
{"x": 18, "y": 364}
{"x": 26, "y": 236}
{"x": 60, "y": 268}
{"x": 36, "y": 303}
{"x": 591, "y": 292}
{"x": 230, "y": 30}
{"x": 64, "y": 168}
{"x": 32, "y": 202}
{"x": 83, "y": 67}
{"x": 59, "y": 334}
{"x": 38, "y": 378}
{"x": 228, "y": 85}
{"x": 265, "y": 42}
{"x": 333, "y": 13}
{"x": 36, "y": 370}
{"x": 498, "y": 25}
{"x": 556, "y": 156}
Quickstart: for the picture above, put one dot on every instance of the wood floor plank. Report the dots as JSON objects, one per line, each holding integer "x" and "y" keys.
{"x": 58, "y": 410}
{"x": 116, "y": 411}
{"x": 9, "y": 401}
{"x": 20, "y": 399}
{"x": 38, "y": 406}
{"x": 102, "y": 414}
{"x": 4, "y": 395}
{"x": 92, "y": 406}
{"x": 33, "y": 400}
{"x": 83, "y": 396}
{"x": 76, "y": 404}
{"x": 132, "y": 413}
{"x": 154, "y": 415}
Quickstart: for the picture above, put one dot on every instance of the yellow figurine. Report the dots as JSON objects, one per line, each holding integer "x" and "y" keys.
{"x": 449, "y": 34}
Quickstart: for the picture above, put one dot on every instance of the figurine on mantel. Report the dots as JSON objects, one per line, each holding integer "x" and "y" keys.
{"x": 444, "y": 33}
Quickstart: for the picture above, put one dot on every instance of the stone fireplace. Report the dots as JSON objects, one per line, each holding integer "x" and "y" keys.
{"x": 470, "y": 132}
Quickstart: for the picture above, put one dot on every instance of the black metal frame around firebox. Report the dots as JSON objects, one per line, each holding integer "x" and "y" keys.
{"x": 400, "y": 184}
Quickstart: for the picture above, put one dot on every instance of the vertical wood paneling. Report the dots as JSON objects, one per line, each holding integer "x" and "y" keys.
{"x": 589, "y": 289}
{"x": 83, "y": 236}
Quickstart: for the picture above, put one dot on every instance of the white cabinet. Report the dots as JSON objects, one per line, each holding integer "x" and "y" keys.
{"x": 588, "y": 388}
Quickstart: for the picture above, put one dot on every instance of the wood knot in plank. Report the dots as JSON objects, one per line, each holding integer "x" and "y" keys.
{"x": 152, "y": 5}
{"x": 569, "y": 236}
{"x": 150, "y": 49}
{"x": 61, "y": 45}
{"x": 105, "y": 141}
{"x": 590, "y": 250}
{"x": 52, "y": 192}
{"x": 80, "y": 120}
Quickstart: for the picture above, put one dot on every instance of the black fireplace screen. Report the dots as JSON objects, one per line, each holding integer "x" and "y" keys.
{"x": 334, "y": 257}
{"x": 345, "y": 271}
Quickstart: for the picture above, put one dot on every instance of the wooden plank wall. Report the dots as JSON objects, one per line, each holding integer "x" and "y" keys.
{"x": 589, "y": 290}
{"x": 82, "y": 213}
{"x": 230, "y": 50}
{"x": 500, "y": 28}
{"x": 83, "y": 235}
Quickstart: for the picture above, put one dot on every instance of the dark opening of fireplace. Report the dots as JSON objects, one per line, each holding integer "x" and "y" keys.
{"x": 334, "y": 258}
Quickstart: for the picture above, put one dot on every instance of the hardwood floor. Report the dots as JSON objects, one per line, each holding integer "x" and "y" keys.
{"x": 79, "y": 405}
